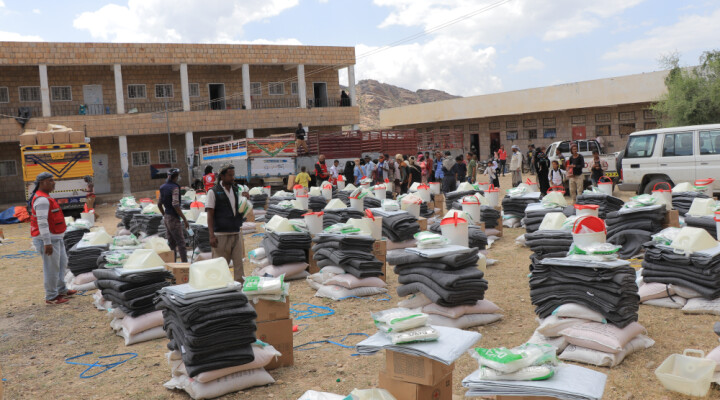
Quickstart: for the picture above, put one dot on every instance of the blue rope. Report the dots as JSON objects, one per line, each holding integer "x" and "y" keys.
{"x": 98, "y": 364}
{"x": 302, "y": 347}
{"x": 310, "y": 311}
{"x": 22, "y": 254}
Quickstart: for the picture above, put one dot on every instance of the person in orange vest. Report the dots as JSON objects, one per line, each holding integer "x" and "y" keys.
{"x": 47, "y": 228}
{"x": 209, "y": 178}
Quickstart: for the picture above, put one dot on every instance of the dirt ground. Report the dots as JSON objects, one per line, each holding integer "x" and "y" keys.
{"x": 35, "y": 339}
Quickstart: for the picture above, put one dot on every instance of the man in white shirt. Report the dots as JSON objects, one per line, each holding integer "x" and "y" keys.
{"x": 369, "y": 167}
{"x": 335, "y": 170}
{"x": 224, "y": 221}
{"x": 516, "y": 165}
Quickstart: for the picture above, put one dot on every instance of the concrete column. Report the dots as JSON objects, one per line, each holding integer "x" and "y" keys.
{"x": 302, "y": 89}
{"x": 119, "y": 96}
{"x": 351, "y": 85}
{"x": 124, "y": 165}
{"x": 185, "y": 88}
{"x": 44, "y": 90}
{"x": 246, "y": 86}
{"x": 189, "y": 153}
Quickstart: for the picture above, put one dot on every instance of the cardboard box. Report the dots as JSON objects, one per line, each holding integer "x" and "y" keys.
{"x": 268, "y": 310}
{"x": 279, "y": 334}
{"x": 76, "y": 137}
{"x": 440, "y": 203}
{"x": 423, "y": 223}
{"x": 167, "y": 256}
{"x": 44, "y": 138}
{"x": 380, "y": 248}
{"x": 415, "y": 369}
{"x": 384, "y": 269}
{"x": 412, "y": 391}
{"x": 28, "y": 138}
{"x": 61, "y": 137}
{"x": 291, "y": 182}
{"x": 672, "y": 219}
{"x": 181, "y": 272}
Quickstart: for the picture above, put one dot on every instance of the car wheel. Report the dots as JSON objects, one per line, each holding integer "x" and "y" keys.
{"x": 649, "y": 187}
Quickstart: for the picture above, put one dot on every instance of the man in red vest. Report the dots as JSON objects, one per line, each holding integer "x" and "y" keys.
{"x": 321, "y": 171}
{"x": 209, "y": 178}
{"x": 47, "y": 228}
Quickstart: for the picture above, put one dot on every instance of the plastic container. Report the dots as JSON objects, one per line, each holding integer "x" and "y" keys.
{"x": 552, "y": 221}
{"x": 559, "y": 189}
{"x": 390, "y": 185}
{"x": 302, "y": 201}
{"x": 314, "y": 222}
{"x": 424, "y": 193}
{"x": 335, "y": 204}
{"x": 685, "y": 374}
{"x": 717, "y": 224}
{"x": 483, "y": 186}
{"x": 266, "y": 189}
{"x": 663, "y": 196}
{"x": 189, "y": 195}
{"x": 88, "y": 216}
{"x": 341, "y": 182}
{"x": 375, "y": 224}
{"x": 145, "y": 202}
{"x": 531, "y": 186}
{"x": 299, "y": 190}
{"x": 471, "y": 206}
{"x": 690, "y": 240}
{"x": 210, "y": 274}
{"x": 683, "y": 187}
{"x": 700, "y": 207}
{"x": 434, "y": 187}
{"x": 142, "y": 259}
{"x": 196, "y": 208}
{"x": 380, "y": 191}
{"x": 100, "y": 237}
{"x": 327, "y": 191}
{"x": 493, "y": 196}
{"x": 589, "y": 230}
{"x": 582, "y": 210}
{"x": 279, "y": 224}
{"x": 455, "y": 229}
{"x": 357, "y": 203}
{"x": 705, "y": 186}
{"x": 201, "y": 219}
{"x": 605, "y": 186}
{"x": 412, "y": 205}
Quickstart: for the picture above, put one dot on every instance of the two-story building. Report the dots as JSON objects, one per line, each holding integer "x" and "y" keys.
{"x": 154, "y": 104}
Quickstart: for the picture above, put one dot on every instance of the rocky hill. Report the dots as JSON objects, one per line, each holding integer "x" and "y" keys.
{"x": 373, "y": 96}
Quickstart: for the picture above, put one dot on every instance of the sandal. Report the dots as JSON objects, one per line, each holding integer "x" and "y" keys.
{"x": 70, "y": 293}
{"x": 57, "y": 300}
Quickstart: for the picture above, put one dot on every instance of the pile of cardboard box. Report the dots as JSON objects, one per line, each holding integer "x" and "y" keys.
{"x": 409, "y": 377}
{"x": 275, "y": 327}
{"x": 53, "y": 134}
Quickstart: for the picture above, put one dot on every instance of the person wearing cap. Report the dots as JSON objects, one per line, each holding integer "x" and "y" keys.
{"x": 169, "y": 206}
{"x": 47, "y": 228}
{"x": 516, "y": 165}
{"x": 225, "y": 222}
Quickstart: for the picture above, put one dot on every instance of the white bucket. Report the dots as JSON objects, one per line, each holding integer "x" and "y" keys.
{"x": 691, "y": 376}
{"x": 483, "y": 186}
{"x": 375, "y": 227}
{"x": 424, "y": 193}
{"x": 266, "y": 189}
{"x": 663, "y": 196}
{"x": 455, "y": 229}
{"x": 471, "y": 206}
{"x": 357, "y": 204}
{"x": 314, "y": 222}
{"x": 717, "y": 224}
{"x": 327, "y": 191}
{"x": 596, "y": 226}
{"x": 493, "y": 196}
{"x": 195, "y": 212}
{"x": 605, "y": 187}
{"x": 89, "y": 216}
{"x": 586, "y": 210}
{"x": 587, "y": 239}
{"x": 299, "y": 190}
{"x": 434, "y": 187}
{"x": 380, "y": 191}
{"x": 532, "y": 186}
{"x": 340, "y": 183}
{"x": 302, "y": 201}
{"x": 412, "y": 208}
{"x": 389, "y": 186}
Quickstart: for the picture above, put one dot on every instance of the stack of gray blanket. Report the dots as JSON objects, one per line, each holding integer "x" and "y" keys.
{"x": 200, "y": 238}
{"x": 606, "y": 287}
{"x": 425, "y": 211}
{"x": 548, "y": 244}
{"x": 286, "y": 247}
{"x": 706, "y": 222}
{"x": 534, "y": 214}
{"x": 316, "y": 203}
{"x": 340, "y": 215}
{"x": 285, "y": 212}
{"x": 631, "y": 240}
{"x": 133, "y": 293}
{"x": 607, "y": 203}
{"x": 448, "y": 281}
{"x": 72, "y": 236}
{"x": 82, "y": 259}
{"x": 649, "y": 219}
{"x": 700, "y": 271}
{"x": 453, "y": 200}
{"x": 259, "y": 200}
{"x": 278, "y": 199}
{"x": 352, "y": 253}
{"x": 476, "y": 236}
{"x": 149, "y": 224}
{"x": 397, "y": 226}
{"x": 489, "y": 216}
{"x": 682, "y": 201}
{"x": 516, "y": 205}
{"x": 126, "y": 215}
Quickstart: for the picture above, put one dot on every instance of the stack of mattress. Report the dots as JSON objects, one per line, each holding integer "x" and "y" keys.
{"x": 131, "y": 292}
{"x": 340, "y": 215}
{"x": 317, "y": 203}
{"x": 126, "y": 214}
{"x": 149, "y": 224}
{"x": 700, "y": 271}
{"x": 397, "y": 226}
{"x": 258, "y": 201}
{"x": 515, "y": 206}
{"x": 534, "y": 214}
{"x": 649, "y": 219}
{"x": 607, "y": 203}
{"x": 286, "y": 247}
{"x": 352, "y": 253}
{"x": 548, "y": 244}
{"x": 73, "y": 236}
{"x": 288, "y": 212}
{"x": 489, "y": 216}
{"x": 476, "y": 236}
{"x": 682, "y": 201}
{"x": 82, "y": 257}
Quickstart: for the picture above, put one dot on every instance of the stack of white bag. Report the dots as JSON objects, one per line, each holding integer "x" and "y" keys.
{"x": 81, "y": 283}
{"x": 258, "y": 288}
{"x": 583, "y": 335}
{"x": 527, "y": 362}
{"x": 137, "y": 329}
{"x": 670, "y": 296}
{"x": 481, "y": 313}
{"x": 334, "y": 283}
{"x": 402, "y": 325}
{"x": 290, "y": 271}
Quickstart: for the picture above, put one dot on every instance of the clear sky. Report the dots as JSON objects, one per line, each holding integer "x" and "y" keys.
{"x": 516, "y": 44}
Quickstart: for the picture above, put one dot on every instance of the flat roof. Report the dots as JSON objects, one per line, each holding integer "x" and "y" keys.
{"x": 58, "y": 53}
{"x": 628, "y": 89}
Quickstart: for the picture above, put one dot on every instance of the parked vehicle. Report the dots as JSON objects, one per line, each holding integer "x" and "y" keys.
{"x": 585, "y": 148}
{"x": 673, "y": 155}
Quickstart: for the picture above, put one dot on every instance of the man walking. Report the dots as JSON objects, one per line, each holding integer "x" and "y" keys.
{"x": 472, "y": 167}
{"x": 502, "y": 157}
{"x": 169, "y": 206}
{"x": 225, "y": 222}
{"x": 516, "y": 165}
{"x": 542, "y": 166}
{"x": 300, "y": 138}
{"x": 47, "y": 228}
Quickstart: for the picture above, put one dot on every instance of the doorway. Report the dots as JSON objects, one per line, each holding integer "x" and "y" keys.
{"x": 320, "y": 94}
{"x": 475, "y": 144}
{"x": 494, "y": 142}
{"x": 217, "y": 96}
{"x": 93, "y": 99}
{"x": 100, "y": 173}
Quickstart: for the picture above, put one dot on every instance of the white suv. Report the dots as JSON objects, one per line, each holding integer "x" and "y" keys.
{"x": 673, "y": 155}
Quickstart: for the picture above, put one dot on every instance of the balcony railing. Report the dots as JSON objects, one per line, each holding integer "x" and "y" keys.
{"x": 73, "y": 108}
{"x": 153, "y": 106}
{"x": 12, "y": 110}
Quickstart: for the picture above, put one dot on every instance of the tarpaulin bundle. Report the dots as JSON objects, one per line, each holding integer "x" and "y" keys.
{"x": 14, "y": 215}
{"x": 149, "y": 224}
{"x": 450, "y": 280}
{"x": 352, "y": 253}
{"x": 340, "y": 215}
{"x": 607, "y": 203}
{"x": 476, "y": 236}
{"x": 285, "y": 212}
{"x": 489, "y": 216}
{"x": 700, "y": 271}
{"x": 133, "y": 293}
{"x": 73, "y": 236}
{"x": 548, "y": 243}
{"x": 84, "y": 259}
{"x": 201, "y": 238}
{"x": 286, "y": 247}
{"x": 516, "y": 206}
{"x": 317, "y": 203}
{"x": 259, "y": 200}
{"x": 682, "y": 201}
{"x": 649, "y": 219}
{"x": 125, "y": 215}
{"x": 706, "y": 222}
{"x": 606, "y": 287}
{"x": 211, "y": 331}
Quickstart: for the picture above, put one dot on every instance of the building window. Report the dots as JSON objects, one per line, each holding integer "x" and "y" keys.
{"x": 602, "y": 130}
{"x": 293, "y": 88}
{"x": 531, "y": 133}
{"x": 194, "y": 90}
{"x": 529, "y": 123}
{"x": 474, "y": 127}
{"x": 459, "y": 128}
{"x": 626, "y": 116}
{"x": 136, "y": 92}
{"x": 256, "y": 88}
{"x": 510, "y": 124}
{"x": 549, "y": 133}
{"x": 445, "y": 128}
{"x": 8, "y": 168}
{"x": 648, "y": 114}
{"x": 549, "y": 122}
{"x": 651, "y": 125}
{"x": 29, "y": 93}
{"x": 511, "y": 135}
{"x": 577, "y": 120}
{"x": 140, "y": 158}
{"x": 61, "y": 93}
{"x": 163, "y": 90}
{"x": 430, "y": 129}
{"x": 4, "y": 95}
{"x": 167, "y": 156}
{"x": 494, "y": 125}
{"x": 605, "y": 117}
{"x": 626, "y": 129}
{"x": 276, "y": 88}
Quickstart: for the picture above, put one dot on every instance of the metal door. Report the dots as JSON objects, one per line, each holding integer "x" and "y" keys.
{"x": 93, "y": 98}
{"x": 100, "y": 167}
